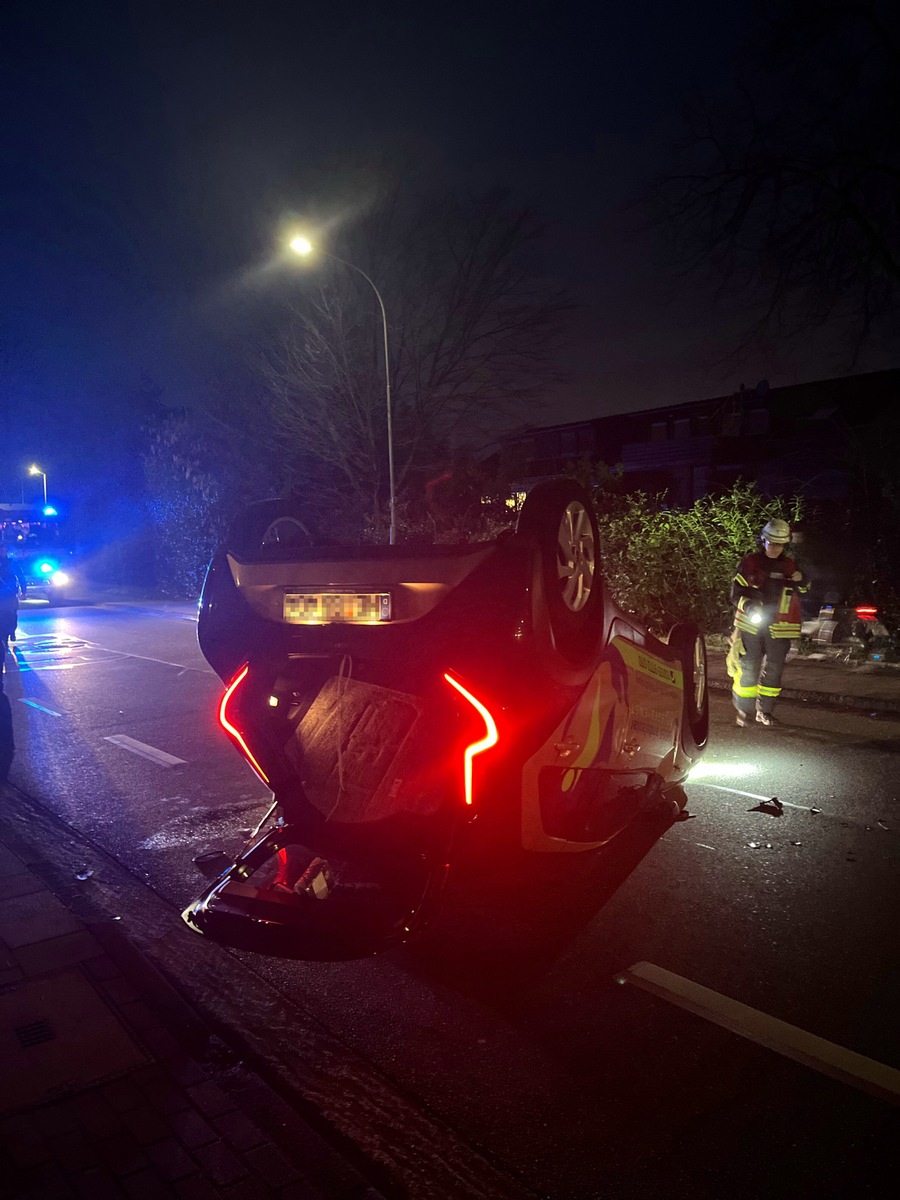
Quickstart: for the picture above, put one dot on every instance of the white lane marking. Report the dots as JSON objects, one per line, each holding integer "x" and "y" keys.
{"x": 145, "y": 751}
{"x": 66, "y": 666}
{"x": 704, "y": 846}
{"x": 164, "y": 662}
{"x": 750, "y": 795}
{"x": 34, "y": 704}
{"x": 830, "y": 1059}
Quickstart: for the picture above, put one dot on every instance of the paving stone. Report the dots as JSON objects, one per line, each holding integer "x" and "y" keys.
{"x": 11, "y": 864}
{"x": 99, "y": 1119}
{"x": 122, "y": 1155}
{"x": 123, "y": 1095}
{"x": 220, "y": 1164}
{"x": 196, "y": 1187}
{"x": 250, "y": 1188}
{"x": 74, "y": 1151}
{"x": 45, "y": 1182}
{"x": 19, "y": 885}
{"x": 54, "y": 1120}
{"x": 145, "y": 1125}
{"x": 119, "y": 989}
{"x": 166, "y": 1096}
{"x": 96, "y": 1184}
{"x": 191, "y": 1129}
{"x": 18, "y": 1125}
{"x": 28, "y": 1149}
{"x": 58, "y": 952}
{"x": 144, "y": 1076}
{"x": 146, "y": 1185}
{"x": 138, "y": 1016}
{"x": 304, "y": 1190}
{"x": 210, "y": 1099}
{"x": 171, "y": 1159}
{"x": 103, "y": 968}
{"x": 238, "y": 1131}
{"x": 25, "y": 920}
{"x": 271, "y": 1166}
{"x": 185, "y": 1070}
{"x": 160, "y": 1042}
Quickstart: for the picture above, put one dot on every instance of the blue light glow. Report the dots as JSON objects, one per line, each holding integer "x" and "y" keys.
{"x": 50, "y": 511}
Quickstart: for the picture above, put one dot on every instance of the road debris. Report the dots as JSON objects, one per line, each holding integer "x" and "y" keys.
{"x": 773, "y": 807}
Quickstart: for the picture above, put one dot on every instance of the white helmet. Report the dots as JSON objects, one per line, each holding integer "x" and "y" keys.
{"x": 776, "y": 531}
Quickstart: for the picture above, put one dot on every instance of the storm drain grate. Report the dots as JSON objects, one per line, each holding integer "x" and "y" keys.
{"x": 35, "y": 1033}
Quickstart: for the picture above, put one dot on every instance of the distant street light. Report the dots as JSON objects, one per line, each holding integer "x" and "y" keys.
{"x": 302, "y": 247}
{"x": 33, "y": 470}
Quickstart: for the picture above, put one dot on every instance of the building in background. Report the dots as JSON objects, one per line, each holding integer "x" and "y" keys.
{"x": 790, "y": 440}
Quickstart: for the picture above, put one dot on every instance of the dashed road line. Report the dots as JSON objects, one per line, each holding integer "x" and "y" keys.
{"x": 40, "y": 707}
{"x": 838, "y": 1062}
{"x": 151, "y": 752}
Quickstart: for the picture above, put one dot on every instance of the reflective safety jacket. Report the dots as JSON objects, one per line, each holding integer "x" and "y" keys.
{"x": 766, "y": 582}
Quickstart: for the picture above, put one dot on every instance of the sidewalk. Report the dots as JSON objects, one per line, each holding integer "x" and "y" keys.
{"x": 820, "y": 680}
{"x": 110, "y": 1086}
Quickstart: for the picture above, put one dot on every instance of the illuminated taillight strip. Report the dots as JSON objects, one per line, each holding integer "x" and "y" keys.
{"x": 490, "y": 739}
{"x": 866, "y": 612}
{"x": 231, "y": 729}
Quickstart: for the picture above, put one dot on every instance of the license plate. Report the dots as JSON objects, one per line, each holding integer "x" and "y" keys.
{"x": 322, "y": 608}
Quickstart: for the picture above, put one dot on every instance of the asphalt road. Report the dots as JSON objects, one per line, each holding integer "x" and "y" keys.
{"x": 508, "y": 1020}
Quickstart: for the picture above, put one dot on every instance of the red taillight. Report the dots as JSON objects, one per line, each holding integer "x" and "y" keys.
{"x": 866, "y": 612}
{"x": 491, "y": 737}
{"x": 231, "y": 729}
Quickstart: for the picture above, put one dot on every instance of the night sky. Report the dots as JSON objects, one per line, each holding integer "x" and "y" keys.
{"x": 151, "y": 151}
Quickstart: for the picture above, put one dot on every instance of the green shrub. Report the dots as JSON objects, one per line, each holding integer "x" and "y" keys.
{"x": 671, "y": 564}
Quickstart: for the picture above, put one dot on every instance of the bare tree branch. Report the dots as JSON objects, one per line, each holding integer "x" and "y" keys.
{"x": 473, "y": 333}
{"x": 789, "y": 198}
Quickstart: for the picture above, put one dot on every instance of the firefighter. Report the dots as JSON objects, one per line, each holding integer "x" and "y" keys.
{"x": 12, "y": 585}
{"x": 766, "y": 592}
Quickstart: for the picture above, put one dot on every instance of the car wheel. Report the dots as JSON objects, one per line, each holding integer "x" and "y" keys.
{"x": 268, "y": 525}
{"x": 559, "y": 515}
{"x": 687, "y": 642}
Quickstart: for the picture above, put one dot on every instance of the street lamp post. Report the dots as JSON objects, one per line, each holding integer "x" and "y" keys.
{"x": 33, "y": 470}
{"x": 301, "y": 246}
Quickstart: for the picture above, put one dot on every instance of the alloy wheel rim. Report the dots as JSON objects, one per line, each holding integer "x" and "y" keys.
{"x": 575, "y": 556}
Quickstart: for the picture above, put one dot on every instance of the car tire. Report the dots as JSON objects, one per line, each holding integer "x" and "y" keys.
{"x": 688, "y": 644}
{"x": 265, "y": 524}
{"x": 559, "y": 515}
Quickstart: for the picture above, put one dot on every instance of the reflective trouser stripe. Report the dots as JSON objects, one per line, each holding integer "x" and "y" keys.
{"x": 746, "y": 691}
{"x": 762, "y": 664}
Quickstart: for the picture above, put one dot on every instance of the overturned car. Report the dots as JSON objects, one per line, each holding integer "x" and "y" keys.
{"x": 399, "y": 703}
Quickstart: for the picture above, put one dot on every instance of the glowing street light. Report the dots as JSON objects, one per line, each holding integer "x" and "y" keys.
{"x": 302, "y": 246}
{"x": 33, "y": 470}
